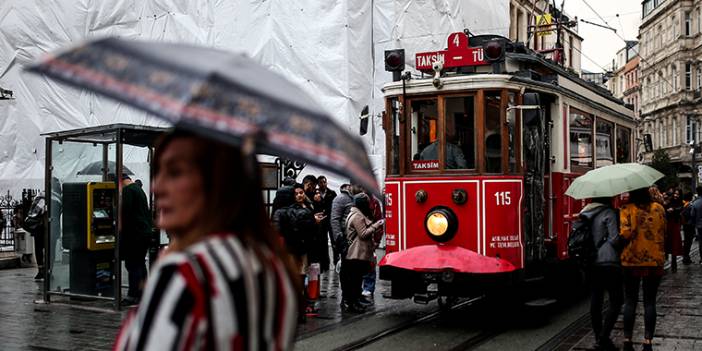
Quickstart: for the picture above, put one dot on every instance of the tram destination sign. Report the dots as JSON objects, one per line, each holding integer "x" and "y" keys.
{"x": 458, "y": 54}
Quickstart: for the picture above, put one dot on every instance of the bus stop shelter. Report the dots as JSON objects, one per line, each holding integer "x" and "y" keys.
{"x": 84, "y": 168}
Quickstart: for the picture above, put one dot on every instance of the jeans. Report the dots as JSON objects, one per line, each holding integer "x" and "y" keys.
{"x": 631, "y": 292}
{"x": 136, "y": 268}
{"x": 605, "y": 279}
{"x": 369, "y": 281}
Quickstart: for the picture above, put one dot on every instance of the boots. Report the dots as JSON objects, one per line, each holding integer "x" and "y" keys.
{"x": 40, "y": 273}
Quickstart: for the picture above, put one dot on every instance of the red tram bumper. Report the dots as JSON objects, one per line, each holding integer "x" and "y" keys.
{"x": 444, "y": 270}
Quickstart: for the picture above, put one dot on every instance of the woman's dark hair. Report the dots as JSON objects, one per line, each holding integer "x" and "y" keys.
{"x": 231, "y": 192}
{"x": 362, "y": 202}
{"x": 640, "y": 197}
{"x": 687, "y": 196}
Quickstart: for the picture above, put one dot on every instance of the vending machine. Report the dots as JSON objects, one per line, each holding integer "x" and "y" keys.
{"x": 89, "y": 232}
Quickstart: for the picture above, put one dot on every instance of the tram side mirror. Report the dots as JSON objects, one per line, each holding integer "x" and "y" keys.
{"x": 364, "y": 121}
{"x": 531, "y": 108}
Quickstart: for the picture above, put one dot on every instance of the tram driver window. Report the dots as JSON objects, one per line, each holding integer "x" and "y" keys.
{"x": 623, "y": 144}
{"x": 580, "y": 139}
{"x": 460, "y": 133}
{"x": 493, "y": 133}
{"x": 424, "y": 138}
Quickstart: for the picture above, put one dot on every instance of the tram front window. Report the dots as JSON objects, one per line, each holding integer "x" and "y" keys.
{"x": 424, "y": 137}
{"x": 460, "y": 133}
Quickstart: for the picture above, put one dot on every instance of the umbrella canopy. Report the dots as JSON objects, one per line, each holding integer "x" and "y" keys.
{"x": 613, "y": 180}
{"x": 95, "y": 168}
{"x": 427, "y": 258}
{"x": 217, "y": 94}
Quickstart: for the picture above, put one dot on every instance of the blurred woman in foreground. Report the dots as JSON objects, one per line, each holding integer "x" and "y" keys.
{"x": 223, "y": 284}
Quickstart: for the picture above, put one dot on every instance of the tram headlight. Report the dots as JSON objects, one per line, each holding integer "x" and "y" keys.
{"x": 441, "y": 224}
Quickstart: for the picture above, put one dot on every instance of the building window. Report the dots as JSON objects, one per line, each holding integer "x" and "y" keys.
{"x": 688, "y": 76}
{"x": 664, "y": 134}
{"x": 675, "y": 78}
{"x": 691, "y": 130}
{"x": 688, "y": 24}
{"x": 674, "y": 132}
{"x": 699, "y": 20}
{"x": 699, "y": 77}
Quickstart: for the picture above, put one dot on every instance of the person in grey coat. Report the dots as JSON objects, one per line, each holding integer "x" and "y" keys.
{"x": 341, "y": 206}
{"x": 696, "y": 215}
{"x": 605, "y": 273}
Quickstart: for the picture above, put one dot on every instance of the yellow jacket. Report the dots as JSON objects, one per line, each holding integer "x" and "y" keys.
{"x": 644, "y": 228}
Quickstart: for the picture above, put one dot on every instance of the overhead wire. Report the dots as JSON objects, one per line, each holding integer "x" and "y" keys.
{"x": 643, "y": 59}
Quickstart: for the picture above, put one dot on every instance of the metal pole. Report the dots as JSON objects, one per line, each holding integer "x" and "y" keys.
{"x": 118, "y": 217}
{"x": 47, "y": 229}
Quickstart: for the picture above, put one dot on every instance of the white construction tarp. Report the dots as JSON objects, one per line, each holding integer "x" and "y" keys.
{"x": 333, "y": 49}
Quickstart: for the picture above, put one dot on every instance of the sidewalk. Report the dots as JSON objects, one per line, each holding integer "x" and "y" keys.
{"x": 26, "y": 325}
{"x": 679, "y": 310}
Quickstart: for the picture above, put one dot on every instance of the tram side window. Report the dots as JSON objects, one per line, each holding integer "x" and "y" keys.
{"x": 424, "y": 138}
{"x": 394, "y": 129}
{"x": 604, "y": 142}
{"x": 460, "y": 133}
{"x": 511, "y": 128}
{"x": 580, "y": 139}
{"x": 623, "y": 144}
{"x": 493, "y": 133}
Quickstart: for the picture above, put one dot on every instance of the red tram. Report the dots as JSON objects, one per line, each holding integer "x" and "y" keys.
{"x": 480, "y": 151}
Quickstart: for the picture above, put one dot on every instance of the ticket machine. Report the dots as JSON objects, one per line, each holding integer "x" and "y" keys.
{"x": 89, "y": 233}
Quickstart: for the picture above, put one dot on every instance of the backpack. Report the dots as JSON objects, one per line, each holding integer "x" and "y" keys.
{"x": 34, "y": 222}
{"x": 581, "y": 244}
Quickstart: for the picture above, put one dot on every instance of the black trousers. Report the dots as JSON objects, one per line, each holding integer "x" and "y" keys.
{"x": 688, "y": 236}
{"x": 352, "y": 272}
{"x": 631, "y": 292}
{"x": 605, "y": 279}
{"x": 39, "y": 248}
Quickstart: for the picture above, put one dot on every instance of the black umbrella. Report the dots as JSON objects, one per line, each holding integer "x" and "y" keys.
{"x": 217, "y": 94}
{"x": 95, "y": 168}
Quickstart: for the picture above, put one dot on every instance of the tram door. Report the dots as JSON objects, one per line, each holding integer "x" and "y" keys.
{"x": 536, "y": 148}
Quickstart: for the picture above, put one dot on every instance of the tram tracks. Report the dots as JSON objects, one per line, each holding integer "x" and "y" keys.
{"x": 384, "y": 333}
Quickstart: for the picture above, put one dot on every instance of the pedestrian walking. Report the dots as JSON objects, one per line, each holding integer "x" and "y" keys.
{"x": 328, "y": 197}
{"x": 605, "y": 272}
{"x": 369, "y": 279}
{"x": 35, "y": 224}
{"x": 688, "y": 225}
{"x": 137, "y": 227}
{"x": 223, "y": 283}
{"x": 360, "y": 229}
{"x": 696, "y": 216}
{"x": 643, "y": 224}
{"x": 673, "y": 240}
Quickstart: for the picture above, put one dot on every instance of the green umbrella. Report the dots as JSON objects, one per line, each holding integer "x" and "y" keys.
{"x": 613, "y": 180}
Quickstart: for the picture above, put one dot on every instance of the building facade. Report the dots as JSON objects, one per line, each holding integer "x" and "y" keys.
{"x": 624, "y": 81}
{"x": 671, "y": 78}
{"x": 523, "y": 19}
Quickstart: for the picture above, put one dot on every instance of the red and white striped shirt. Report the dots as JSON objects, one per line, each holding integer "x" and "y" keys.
{"x": 216, "y": 295}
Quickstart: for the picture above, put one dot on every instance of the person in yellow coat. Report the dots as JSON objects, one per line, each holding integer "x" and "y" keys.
{"x": 643, "y": 224}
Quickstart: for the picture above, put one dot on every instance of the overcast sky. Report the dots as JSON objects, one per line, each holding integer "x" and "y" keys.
{"x": 599, "y": 44}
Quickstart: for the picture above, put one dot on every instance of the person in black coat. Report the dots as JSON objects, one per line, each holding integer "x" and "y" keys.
{"x": 605, "y": 272}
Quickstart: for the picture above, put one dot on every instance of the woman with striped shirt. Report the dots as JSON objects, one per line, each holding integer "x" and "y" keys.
{"x": 224, "y": 282}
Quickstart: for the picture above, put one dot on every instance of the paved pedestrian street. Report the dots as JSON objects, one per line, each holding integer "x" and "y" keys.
{"x": 26, "y": 325}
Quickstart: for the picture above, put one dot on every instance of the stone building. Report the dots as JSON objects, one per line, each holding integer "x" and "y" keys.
{"x": 523, "y": 15}
{"x": 671, "y": 77}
